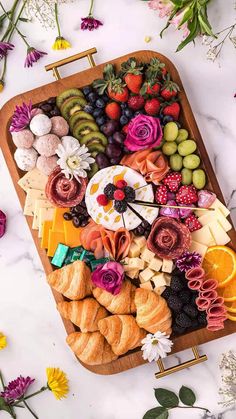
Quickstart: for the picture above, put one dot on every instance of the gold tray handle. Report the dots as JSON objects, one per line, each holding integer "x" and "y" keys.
{"x": 196, "y": 360}
{"x": 54, "y": 66}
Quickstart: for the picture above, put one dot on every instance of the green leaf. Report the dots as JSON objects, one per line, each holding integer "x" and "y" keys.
{"x": 156, "y": 413}
{"x": 187, "y": 16}
{"x": 194, "y": 30}
{"x": 205, "y": 25}
{"x": 4, "y": 406}
{"x": 166, "y": 398}
{"x": 187, "y": 396}
{"x": 178, "y": 3}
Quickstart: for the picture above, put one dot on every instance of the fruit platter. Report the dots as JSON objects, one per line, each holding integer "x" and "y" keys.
{"x": 125, "y": 210}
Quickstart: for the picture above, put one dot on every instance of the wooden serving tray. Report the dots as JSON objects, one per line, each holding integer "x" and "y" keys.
{"x": 133, "y": 358}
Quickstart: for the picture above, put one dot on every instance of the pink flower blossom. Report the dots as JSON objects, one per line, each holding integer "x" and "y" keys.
{"x": 90, "y": 23}
{"x": 4, "y": 48}
{"x": 177, "y": 19}
{"x": 22, "y": 117}
{"x": 16, "y": 389}
{"x": 164, "y": 7}
{"x": 33, "y": 55}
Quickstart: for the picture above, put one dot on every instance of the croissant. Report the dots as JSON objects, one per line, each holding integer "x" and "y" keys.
{"x": 122, "y": 303}
{"x": 121, "y": 332}
{"x": 73, "y": 281}
{"x": 153, "y": 313}
{"x": 85, "y": 314}
{"x": 91, "y": 348}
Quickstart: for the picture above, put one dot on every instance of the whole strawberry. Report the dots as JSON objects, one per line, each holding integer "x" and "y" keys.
{"x": 161, "y": 195}
{"x": 172, "y": 110}
{"x": 113, "y": 110}
{"x": 192, "y": 223}
{"x": 152, "y": 106}
{"x": 172, "y": 181}
{"x": 169, "y": 89}
{"x": 132, "y": 73}
{"x": 150, "y": 87}
{"x": 113, "y": 84}
{"x": 187, "y": 194}
{"x": 136, "y": 102}
{"x": 118, "y": 93}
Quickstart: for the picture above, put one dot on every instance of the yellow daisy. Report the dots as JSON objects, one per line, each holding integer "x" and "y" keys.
{"x": 57, "y": 382}
{"x": 1, "y": 86}
{"x": 61, "y": 43}
{"x": 3, "y": 341}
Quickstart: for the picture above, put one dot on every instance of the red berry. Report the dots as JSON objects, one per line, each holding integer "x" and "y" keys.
{"x": 187, "y": 194}
{"x": 152, "y": 106}
{"x": 121, "y": 184}
{"x": 136, "y": 102}
{"x": 192, "y": 223}
{"x": 172, "y": 110}
{"x": 153, "y": 89}
{"x": 161, "y": 195}
{"x": 119, "y": 195}
{"x": 125, "y": 129}
{"x": 102, "y": 200}
{"x": 172, "y": 181}
{"x": 113, "y": 110}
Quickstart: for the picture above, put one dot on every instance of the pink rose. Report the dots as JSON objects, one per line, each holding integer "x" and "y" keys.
{"x": 144, "y": 132}
{"x": 109, "y": 277}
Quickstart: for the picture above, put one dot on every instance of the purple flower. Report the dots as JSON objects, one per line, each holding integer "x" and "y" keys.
{"x": 109, "y": 277}
{"x": 144, "y": 132}
{"x": 33, "y": 55}
{"x": 90, "y": 23}
{"x": 16, "y": 389}
{"x": 188, "y": 260}
{"x": 3, "y": 221}
{"x": 4, "y": 48}
{"x": 22, "y": 117}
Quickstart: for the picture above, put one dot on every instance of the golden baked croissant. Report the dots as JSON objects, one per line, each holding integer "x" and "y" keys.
{"x": 91, "y": 348}
{"x": 122, "y": 303}
{"x": 153, "y": 313}
{"x": 73, "y": 281}
{"x": 121, "y": 332}
{"x": 85, "y": 314}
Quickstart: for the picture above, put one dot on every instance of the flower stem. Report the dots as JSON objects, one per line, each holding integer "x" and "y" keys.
{"x": 11, "y": 14}
{"x": 91, "y": 8}
{"x": 32, "y": 395}
{"x": 14, "y": 26}
{"x": 30, "y": 410}
{"x": 2, "y": 382}
{"x": 57, "y": 20}
{"x": 191, "y": 407}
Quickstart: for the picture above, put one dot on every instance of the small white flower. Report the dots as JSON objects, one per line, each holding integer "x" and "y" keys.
{"x": 156, "y": 346}
{"x": 212, "y": 54}
{"x": 74, "y": 159}
{"x": 233, "y": 40}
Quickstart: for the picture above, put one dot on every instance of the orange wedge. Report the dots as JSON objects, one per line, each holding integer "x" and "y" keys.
{"x": 220, "y": 263}
{"x": 230, "y": 306}
{"x": 229, "y": 292}
{"x": 231, "y": 317}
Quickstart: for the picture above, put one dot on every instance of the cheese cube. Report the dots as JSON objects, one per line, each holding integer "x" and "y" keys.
{"x": 31, "y": 197}
{"x": 203, "y": 236}
{"x": 145, "y": 275}
{"x": 219, "y": 234}
{"x": 168, "y": 279}
{"x": 147, "y": 255}
{"x": 159, "y": 280}
{"x": 217, "y": 204}
{"x": 34, "y": 179}
{"x": 133, "y": 273}
{"x": 140, "y": 241}
{"x": 216, "y": 215}
{"x": 167, "y": 266}
{"x": 159, "y": 290}
{"x": 136, "y": 263}
{"x": 134, "y": 250}
{"x": 155, "y": 264}
{"x": 199, "y": 248}
{"x": 147, "y": 285}
{"x": 45, "y": 214}
{"x": 39, "y": 203}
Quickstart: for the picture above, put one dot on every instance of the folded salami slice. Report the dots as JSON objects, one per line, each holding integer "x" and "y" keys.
{"x": 195, "y": 284}
{"x": 218, "y": 300}
{"x": 215, "y": 327}
{"x": 195, "y": 273}
{"x": 216, "y": 310}
{"x": 210, "y": 295}
{"x": 209, "y": 284}
{"x": 203, "y": 303}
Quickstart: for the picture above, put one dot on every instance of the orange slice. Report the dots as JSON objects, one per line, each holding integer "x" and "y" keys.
{"x": 230, "y": 306}
{"x": 220, "y": 263}
{"x": 229, "y": 292}
{"x": 231, "y": 317}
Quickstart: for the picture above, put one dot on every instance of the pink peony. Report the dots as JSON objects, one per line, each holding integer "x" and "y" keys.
{"x": 109, "y": 277}
{"x": 143, "y": 132}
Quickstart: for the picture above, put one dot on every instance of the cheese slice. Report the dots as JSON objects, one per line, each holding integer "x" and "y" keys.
{"x": 72, "y": 234}
{"x": 34, "y": 179}
{"x": 45, "y": 214}
{"x": 58, "y": 219}
{"x": 216, "y": 215}
{"x": 219, "y": 234}
{"x": 31, "y": 197}
{"x": 47, "y": 225}
{"x": 54, "y": 239}
{"x": 39, "y": 203}
{"x": 199, "y": 248}
{"x": 216, "y": 205}
{"x": 203, "y": 236}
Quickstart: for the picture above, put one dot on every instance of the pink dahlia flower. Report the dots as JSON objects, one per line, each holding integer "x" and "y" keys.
{"x": 22, "y": 117}
{"x": 16, "y": 389}
{"x": 33, "y": 55}
{"x": 4, "y": 48}
{"x": 90, "y": 23}
{"x": 164, "y": 7}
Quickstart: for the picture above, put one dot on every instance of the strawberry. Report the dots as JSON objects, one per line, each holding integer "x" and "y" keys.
{"x": 155, "y": 69}
{"x": 170, "y": 89}
{"x": 152, "y": 106}
{"x": 136, "y": 102}
{"x": 161, "y": 195}
{"x": 113, "y": 110}
{"x": 187, "y": 195}
{"x": 125, "y": 129}
{"x": 172, "y": 110}
{"x": 153, "y": 89}
{"x": 132, "y": 73}
{"x": 120, "y": 94}
{"x": 113, "y": 84}
{"x": 134, "y": 82}
{"x": 172, "y": 181}
{"x": 192, "y": 223}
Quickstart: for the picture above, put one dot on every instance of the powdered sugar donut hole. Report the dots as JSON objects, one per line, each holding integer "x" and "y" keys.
{"x": 40, "y": 125}
{"x": 23, "y": 139}
{"x": 47, "y": 145}
{"x": 60, "y": 126}
{"x": 26, "y": 158}
{"x": 46, "y": 164}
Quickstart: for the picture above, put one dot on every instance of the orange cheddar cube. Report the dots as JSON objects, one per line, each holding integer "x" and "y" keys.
{"x": 72, "y": 234}
{"x": 57, "y": 225}
{"x": 55, "y": 238}
{"x": 47, "y": 225}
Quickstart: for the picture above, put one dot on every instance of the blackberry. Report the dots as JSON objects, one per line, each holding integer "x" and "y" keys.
{"x": 193, "y": 297}
{"x": 191, "y": 311}
{"x": 185, "y": 296}
{"x": 183, "y": 320}
{"x": 166, "y": 293}
{"x": 177, "y": 272}
{"x": 201, "y": 318}
{"x": 177, "y": 283}
{"x": 120, "y": 206}
{"x": 109, "y": 191}
{"x": 177, "y": 329}
{"x": 174, "y": 303}
{"x": 129, "y": 194}
{"x": 195, "y": 324}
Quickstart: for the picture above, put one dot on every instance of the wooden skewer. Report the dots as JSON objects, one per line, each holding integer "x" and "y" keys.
{"x": 154, "y": 205}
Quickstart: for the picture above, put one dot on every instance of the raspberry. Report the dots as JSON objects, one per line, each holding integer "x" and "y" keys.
{"x": 172, "y": 181}
{"x": 109, "y": 190}
{"x": 177, "y": 284}
{"x": 102, "y": 200}
{"x": 121, "y": 184}
{"x": 161, "y": 195}
{"x": 120, "y": 206}
{"x": 129, "y": 194}
{"x": 192, "y": 223}
{"x": 125, "y": 129}
{"x": 174, "y": 303}
{"x": 187, "y": 194}
{"x": 183, "y": 320}
{"x": 191, "y": 311}
{"x": 119, "y": 195}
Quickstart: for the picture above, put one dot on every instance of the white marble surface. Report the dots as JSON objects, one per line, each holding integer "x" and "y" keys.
{"x": 27, "y": 310}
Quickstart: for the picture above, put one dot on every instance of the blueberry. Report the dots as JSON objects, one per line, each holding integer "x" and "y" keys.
{"x": 128, "y": 113}
{"x": 100, "y": 120}
{"x": 124, "y": 120}
{"x": 167, "y": 118}
{"x": 138, "y": 113}
{"x": 92, "y": 97}
{"x": 111, "y": 140}
{"x": 86, "y": 90}
{"x": 89, "y": 109}
{"x": 105, "y": 98}
{"x": 124, "y": 105}
{"x": 97, "y": 112}
{"x": 100, "y": 103}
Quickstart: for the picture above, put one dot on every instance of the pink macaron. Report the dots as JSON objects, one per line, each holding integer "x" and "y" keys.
{"x": 59, "y": 126}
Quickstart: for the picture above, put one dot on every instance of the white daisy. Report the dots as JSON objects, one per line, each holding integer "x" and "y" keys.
{"x": 156, "y": 346}
{"x": 74, "y": 159}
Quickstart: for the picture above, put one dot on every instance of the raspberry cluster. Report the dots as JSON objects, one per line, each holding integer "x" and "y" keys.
{"x": 120, "y": 193}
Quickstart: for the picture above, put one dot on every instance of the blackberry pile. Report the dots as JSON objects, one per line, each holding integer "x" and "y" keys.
{"x": 181, "y": 301}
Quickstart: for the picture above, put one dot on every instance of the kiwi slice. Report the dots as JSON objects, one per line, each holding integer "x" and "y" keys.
{"x": 94, "y": 138}
{"x": 83, "y": 128}
{"x": 95, "y": 148}
{"x": 66, "y": 94}
{"x": 94, "y": 169}
{"x": 78, "y": 116}
{"x": 72, "y": 105}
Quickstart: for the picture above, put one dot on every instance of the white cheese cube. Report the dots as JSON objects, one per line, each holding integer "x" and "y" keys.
{"x": 133, "y": 273}
{"x": 217, "y": 204}
{"x": 167, "y": 266}
{"x": 136, "y": 263}
{"x": 147, "y": 285}
{"x": 140, "y": 241}
{"x": 159, "y": 280}
{"x": 159, "y": 290}
{"x": 155, "y": 264}
{"x": 145, "y": 275}
{"x": 219, "y": 234}
{"x": 203, "y": 236}
{"x": 134, "y": 250}
{"x": 216, "y": 215}
{"x": 168, "y": 279}
{"x": 199, "y": 248}
{"x": 147, "y": 255}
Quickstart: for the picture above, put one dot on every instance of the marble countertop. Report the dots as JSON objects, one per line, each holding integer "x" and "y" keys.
{"x": 27, "y": 310}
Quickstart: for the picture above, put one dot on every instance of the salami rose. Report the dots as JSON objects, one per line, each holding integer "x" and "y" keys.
{"x": 168, "y": 238}
{"x": 63, "y": 192}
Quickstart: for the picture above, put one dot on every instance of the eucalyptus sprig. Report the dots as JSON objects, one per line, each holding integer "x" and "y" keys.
{"x": 168, "y": 400}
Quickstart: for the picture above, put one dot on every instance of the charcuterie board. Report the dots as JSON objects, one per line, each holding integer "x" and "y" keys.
{"x": 132, "y": 358}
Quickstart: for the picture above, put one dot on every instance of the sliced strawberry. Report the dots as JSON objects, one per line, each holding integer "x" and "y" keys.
{"x": 161, "y": 195}
{"x": 192, "y": 223}
{"x": 136, "y": 102}
{"x": 172, "y": 110}
{"x": 152, "y": 106}
{"x": 187, "y": 194}
{"x": 173, "y": 181}
{"x": 113, "y": 110}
